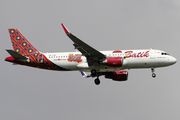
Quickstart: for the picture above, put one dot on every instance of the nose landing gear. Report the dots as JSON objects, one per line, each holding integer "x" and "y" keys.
{"x": 153, "y": 72}
{"x": 153, "y": 75}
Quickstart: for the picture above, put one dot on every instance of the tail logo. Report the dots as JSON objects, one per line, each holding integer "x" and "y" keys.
{"x": 30, "y": 50}
{"x": 35, "y": 59}
{"x": 24, "y": 44}
{"x": 17, "y": 50}
{"x": 12, "y": 31}
{"x": 18, "y": 37}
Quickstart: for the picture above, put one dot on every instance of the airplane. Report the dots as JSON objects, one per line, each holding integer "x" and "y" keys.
{"x": 110, "y": 64}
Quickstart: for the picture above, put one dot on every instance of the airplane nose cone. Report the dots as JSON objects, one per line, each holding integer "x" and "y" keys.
{"x": 173, "y": 60}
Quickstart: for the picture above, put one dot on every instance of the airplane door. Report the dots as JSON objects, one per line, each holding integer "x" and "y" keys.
{"x": 152, "y": 54}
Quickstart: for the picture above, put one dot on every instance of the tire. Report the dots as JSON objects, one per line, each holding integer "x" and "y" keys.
{"x": 97, "y": 81}
{"x": 153, "y": 75}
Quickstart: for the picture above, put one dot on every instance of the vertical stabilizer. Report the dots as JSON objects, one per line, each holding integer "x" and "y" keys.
{"x": 25, "y": 54}
{"x": 20, "y": 44}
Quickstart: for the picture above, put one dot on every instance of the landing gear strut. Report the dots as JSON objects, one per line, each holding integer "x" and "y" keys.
{"x": 153, "y": 72}
{"x": 94, "y": 74}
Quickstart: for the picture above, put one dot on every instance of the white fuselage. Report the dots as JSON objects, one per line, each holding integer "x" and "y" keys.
{"x": 144, "y": 58}
{"x": 110, "y": 64}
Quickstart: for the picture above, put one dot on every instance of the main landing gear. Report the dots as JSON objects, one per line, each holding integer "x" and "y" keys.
{"x": 153, "y": 72}
{"x": 94, "y": 73}
{"x": 97, "y": 81}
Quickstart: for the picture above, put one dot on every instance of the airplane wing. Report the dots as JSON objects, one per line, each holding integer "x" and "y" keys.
{"x": 89, "y": 52}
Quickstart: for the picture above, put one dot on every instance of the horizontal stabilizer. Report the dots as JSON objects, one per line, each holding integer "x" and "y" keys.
{"x": 16, "y": 55}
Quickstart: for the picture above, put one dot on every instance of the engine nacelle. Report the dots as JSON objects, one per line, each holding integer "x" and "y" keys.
{"x": 118, "y": 75}
{"x": 115, "y": 61}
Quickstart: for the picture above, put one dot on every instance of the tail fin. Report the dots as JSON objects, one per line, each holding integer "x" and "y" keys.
{"x": 20, "y": 44}
{"x": 25, "y": 54}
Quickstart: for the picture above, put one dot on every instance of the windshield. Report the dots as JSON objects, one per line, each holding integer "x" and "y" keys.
{"x": 164, "y": 54}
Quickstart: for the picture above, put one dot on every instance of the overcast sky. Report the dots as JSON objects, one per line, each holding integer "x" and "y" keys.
{"x": 34, "y": 94}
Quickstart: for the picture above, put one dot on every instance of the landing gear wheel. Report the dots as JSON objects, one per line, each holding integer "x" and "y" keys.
{"x": 93, "y": 72}
{"x": 97, "y": 81}
{"x": 153, "y": 75}
{"x": 153, "y": 72}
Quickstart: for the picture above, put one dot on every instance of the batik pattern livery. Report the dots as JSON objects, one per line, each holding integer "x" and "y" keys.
{"x": 35, "y": 58}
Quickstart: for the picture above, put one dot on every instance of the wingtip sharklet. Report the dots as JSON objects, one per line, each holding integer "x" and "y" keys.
{"x": 83, "y": 74}
{"x": 65, "y": 29}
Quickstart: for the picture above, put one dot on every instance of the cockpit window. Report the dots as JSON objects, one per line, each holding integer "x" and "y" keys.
{"x": 164, "y": 54}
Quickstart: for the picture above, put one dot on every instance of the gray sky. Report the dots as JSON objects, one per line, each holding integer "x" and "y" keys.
{"x": 28, "y": 93}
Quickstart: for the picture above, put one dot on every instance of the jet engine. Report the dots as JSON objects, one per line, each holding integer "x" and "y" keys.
{"x": 117, "y": 75}
{"x": 114, "y": 61}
